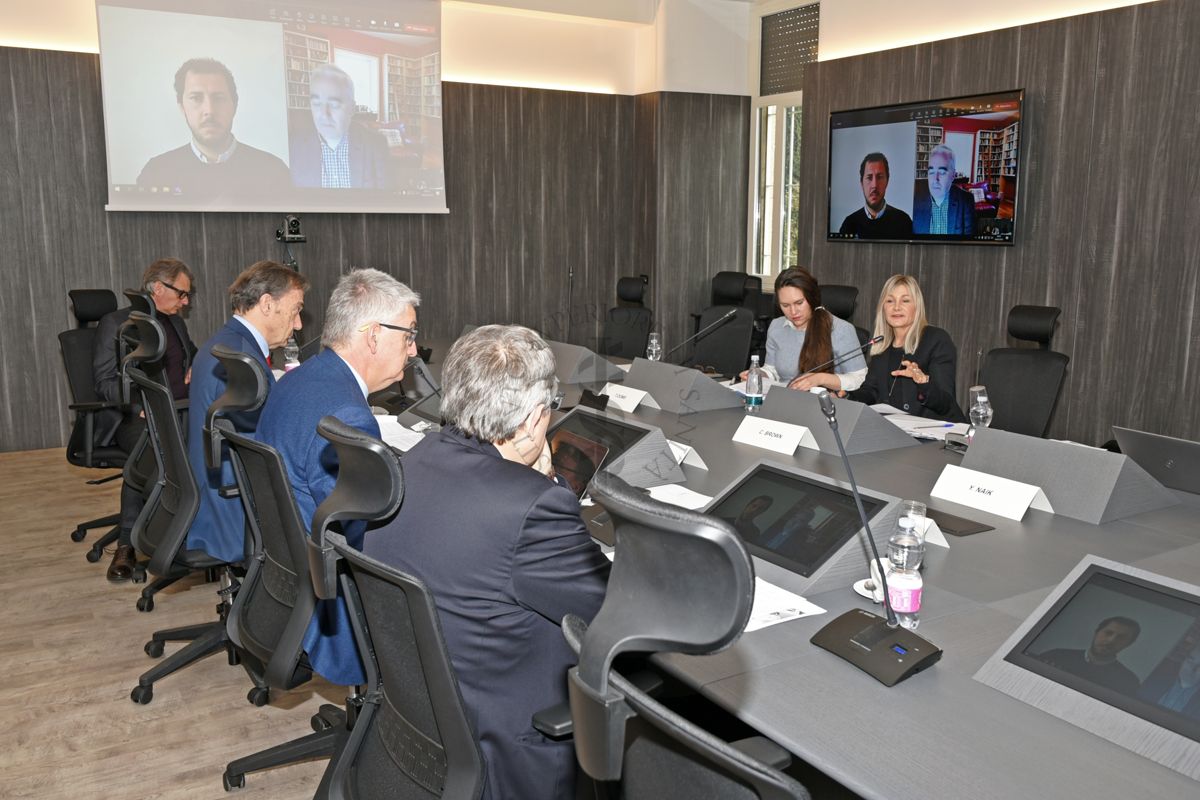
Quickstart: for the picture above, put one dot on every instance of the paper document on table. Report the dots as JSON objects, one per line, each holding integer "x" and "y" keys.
{"x": 677, "y": 495}
{"x": 885, "y": 409}
{"x": 924, "y": 427}
{"x": 396, "y": 435}
{"x": 773, "y": 605}
{"x": 740, "y": 388}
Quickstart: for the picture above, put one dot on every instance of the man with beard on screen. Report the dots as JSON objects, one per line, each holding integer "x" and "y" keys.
{"x": 876, "y": 219}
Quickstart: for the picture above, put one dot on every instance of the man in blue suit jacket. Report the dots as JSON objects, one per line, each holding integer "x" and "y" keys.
{"x": 370, "y": 333}
{"x": 501, "y": 545}
{"x": 267, "y": 299}
{"x": 955, "y": 208}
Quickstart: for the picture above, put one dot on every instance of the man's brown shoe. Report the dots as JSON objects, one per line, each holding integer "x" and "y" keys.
{"x": 124, "y": 560}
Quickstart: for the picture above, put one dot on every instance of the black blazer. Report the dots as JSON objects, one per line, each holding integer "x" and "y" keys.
{"x": 937, "y": 358}
{"x": 506, "y": 556}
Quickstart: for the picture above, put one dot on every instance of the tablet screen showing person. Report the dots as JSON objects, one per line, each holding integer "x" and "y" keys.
{"x": 576, "y": 458}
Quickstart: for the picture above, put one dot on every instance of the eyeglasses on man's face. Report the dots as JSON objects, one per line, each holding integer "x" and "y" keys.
{"x": 184, "y": 294}
{"x": 412, "y": 332}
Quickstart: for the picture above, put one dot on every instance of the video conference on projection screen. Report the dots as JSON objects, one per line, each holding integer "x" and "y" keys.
{"x": 257, "y": 105}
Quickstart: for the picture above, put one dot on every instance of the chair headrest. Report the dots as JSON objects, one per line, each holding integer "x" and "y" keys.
{"x": 140, "y": 300}
{"x": 631, "y": 290}
{"x": 729, "y": 288}
{"x": 681, "y": 582}
{"x": 246, "y": 387}
{"x": 839, "y": 300}
{"x": 370, "y": 486}
{"x": 91, "y": 304}
{"x": 1033, "y": 323}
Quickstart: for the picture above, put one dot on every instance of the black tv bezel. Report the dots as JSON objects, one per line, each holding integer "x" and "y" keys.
{"x": 929, "y": 239}
{"x": 1143, "y": 710}
{"x": 778, "y": 559}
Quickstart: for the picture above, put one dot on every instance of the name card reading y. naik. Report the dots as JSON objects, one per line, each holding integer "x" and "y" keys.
{"x": 770, "y": 434}
{"x": 626, "y": 398}
{"x": 990, "y": 493}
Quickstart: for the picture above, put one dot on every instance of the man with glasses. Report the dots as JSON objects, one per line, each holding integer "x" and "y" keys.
{"x": 370, "y": 334}
{"x": 267, "y": 299}
{"x": 331, "y": 151}
{"x": 169, "y": 284}
{"x": 940, "y": 207}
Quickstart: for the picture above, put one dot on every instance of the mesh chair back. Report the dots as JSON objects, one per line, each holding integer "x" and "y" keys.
{"x": 412, "y": 738}
{"x": 626, "y": 331}
{"x": 140, "y": 300}
{"x": 162, "y": 527}
{"x": 89, "y": 305}
{"x": 369, "y": 486}
{"x": 90, "y": 444}
{"x": 275, "y": 603}
{"x": 726, "y": 348}
{"x": 1023, "y": 383}
{"x": 246, "y": 387}
{"x": 681, "y": 582}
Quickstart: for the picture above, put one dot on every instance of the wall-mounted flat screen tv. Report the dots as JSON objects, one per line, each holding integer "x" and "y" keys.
{"x": 943, "y": 171}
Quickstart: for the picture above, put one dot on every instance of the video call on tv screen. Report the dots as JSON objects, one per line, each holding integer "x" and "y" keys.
{"x": 943, "y": 171}
{"x": 1127, "y": 642}
{"x": 271, "y": 105}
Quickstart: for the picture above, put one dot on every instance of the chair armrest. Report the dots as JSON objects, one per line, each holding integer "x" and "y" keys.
{"x": 183, "y": 405}
{"x": 763, "y": 749}
{"x": 555, "y": 722}
{"x": 97, "y": 405}
{"x": 229, "y": 491}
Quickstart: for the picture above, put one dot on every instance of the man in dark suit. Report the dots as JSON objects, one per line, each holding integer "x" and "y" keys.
{"x": 333, "y": 152}
{"x": 370, "y": 333}
{"x": 213, "y": 166}
{"x": 1099, "y": 663}
{"x": 876, "y": 219}
{"x": 501, "y": 545}
{"x": 267, "y": 299}
{"x": 1176, "y": 688}
{"x": 169, "y": 282}
{"x": 940, "y": 207}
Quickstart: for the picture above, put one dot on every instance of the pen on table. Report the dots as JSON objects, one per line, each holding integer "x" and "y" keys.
{"x": 939, "y": 425}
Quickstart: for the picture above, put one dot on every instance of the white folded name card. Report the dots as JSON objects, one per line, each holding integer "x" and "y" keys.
{"x": 626, "y": 398}
{"x": 770, "y": 434}
{"x": 990, "y": 493}
{"x": 686, "y": 454}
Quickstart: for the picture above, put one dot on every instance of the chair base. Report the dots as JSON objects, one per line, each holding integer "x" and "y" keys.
{"x": 96, "y": 551}
{"x": 81, "y": 530}
{"x": 323, "y": 743}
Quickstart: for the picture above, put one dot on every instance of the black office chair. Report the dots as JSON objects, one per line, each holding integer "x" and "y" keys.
{"x": 412, "y": 738}
{"x": 1024, "y": 383}
{"x": 627, "y": 326}
{"x": 91, "y": 444}
{"x": 841, "y": 301}
{"x": 161, "y": 529}
{"x": 681, "y": 582}
{"x": 140, "y": 300}
{"x": 726, "y": 348}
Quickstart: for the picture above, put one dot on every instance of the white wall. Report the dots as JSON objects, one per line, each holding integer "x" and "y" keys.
{"x": 852, "y": 27}
{"x": 702, "y": 46}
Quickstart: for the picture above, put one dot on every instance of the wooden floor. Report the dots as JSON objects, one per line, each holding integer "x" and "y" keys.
{"x": 71, "y": 651}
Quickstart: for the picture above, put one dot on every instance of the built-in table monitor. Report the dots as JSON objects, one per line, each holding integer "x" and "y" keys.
{"x": 617, "y": 435}
{"x": 796, "y": 521}
{"x": 1125, "y": 641}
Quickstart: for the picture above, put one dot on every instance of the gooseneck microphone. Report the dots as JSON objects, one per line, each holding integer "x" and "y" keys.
{"x": 838, "y": 359}
{"x": 877, "y": 646}
{"x": 730, "y": 314}
{"x": 830, "y": 412}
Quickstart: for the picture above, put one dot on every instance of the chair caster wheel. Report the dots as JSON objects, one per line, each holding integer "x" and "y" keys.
{"x": 154, "y": 648}
{"x": 259, "y": 697}
{"x": 233, "y": 781}
{"x": 233, "y": 656}
{"x": 78, "y": 535}
{"x": 142, "y": 694}
{"x": 92, "y": 556}
{"x": 145, "y": 604}
{"x": 319, "y": 723}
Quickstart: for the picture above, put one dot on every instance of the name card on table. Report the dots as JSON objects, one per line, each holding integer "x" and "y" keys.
{"x": 771, "y": 434}
{"x": 990, "y": 493}
{"x": 686, "y": 454}
{"x": 626, "y": 398}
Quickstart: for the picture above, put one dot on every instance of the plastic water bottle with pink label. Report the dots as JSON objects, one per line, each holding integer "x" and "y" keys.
{"x": 906, "y": 550}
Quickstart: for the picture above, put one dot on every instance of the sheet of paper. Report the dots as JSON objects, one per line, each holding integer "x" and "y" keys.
{"x": 925, "y": 428}
{"x": 396, "y": 435}
{"x": 773, "y": 605}
{"x": 885, "y": 409}
{"x": 677, "y": 495}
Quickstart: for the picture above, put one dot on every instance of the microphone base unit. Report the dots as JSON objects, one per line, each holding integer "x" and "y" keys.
{"x": 889, "y": 655}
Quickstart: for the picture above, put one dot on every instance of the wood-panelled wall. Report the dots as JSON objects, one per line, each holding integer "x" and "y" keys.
{"x": 537, "y": 182}
{"x": 1107, "y": 222}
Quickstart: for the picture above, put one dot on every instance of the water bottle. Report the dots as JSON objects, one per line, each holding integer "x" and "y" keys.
{"x": 291, "y": 354}
{"x": 904, "y": 594}
{"x": 754, "y": 387}
{"x": 980, "y": 410}
{"x": 654, "y": 347}
{"x": 906, "y": 549}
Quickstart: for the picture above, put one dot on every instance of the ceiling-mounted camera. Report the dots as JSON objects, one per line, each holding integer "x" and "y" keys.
{"x": 290, "y": 232}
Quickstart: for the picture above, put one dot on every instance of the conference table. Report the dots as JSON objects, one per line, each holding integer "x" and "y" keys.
{"x": 940, "y": 733}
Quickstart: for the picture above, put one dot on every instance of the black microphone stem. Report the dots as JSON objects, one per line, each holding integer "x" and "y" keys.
{"x": 833, "y": 362}
{"x": 837, "y": 437}
{"x": 729, "y": 315}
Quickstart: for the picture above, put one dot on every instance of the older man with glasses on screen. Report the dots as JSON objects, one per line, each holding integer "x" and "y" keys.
{"x": 328, "y": 150}
{"x": 940, "y": 207}
{"x": 370, "y": 333}
{"x": 168, "y": 281}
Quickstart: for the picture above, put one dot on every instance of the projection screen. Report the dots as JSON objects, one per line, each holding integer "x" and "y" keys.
{"x": 262, "y": 105}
